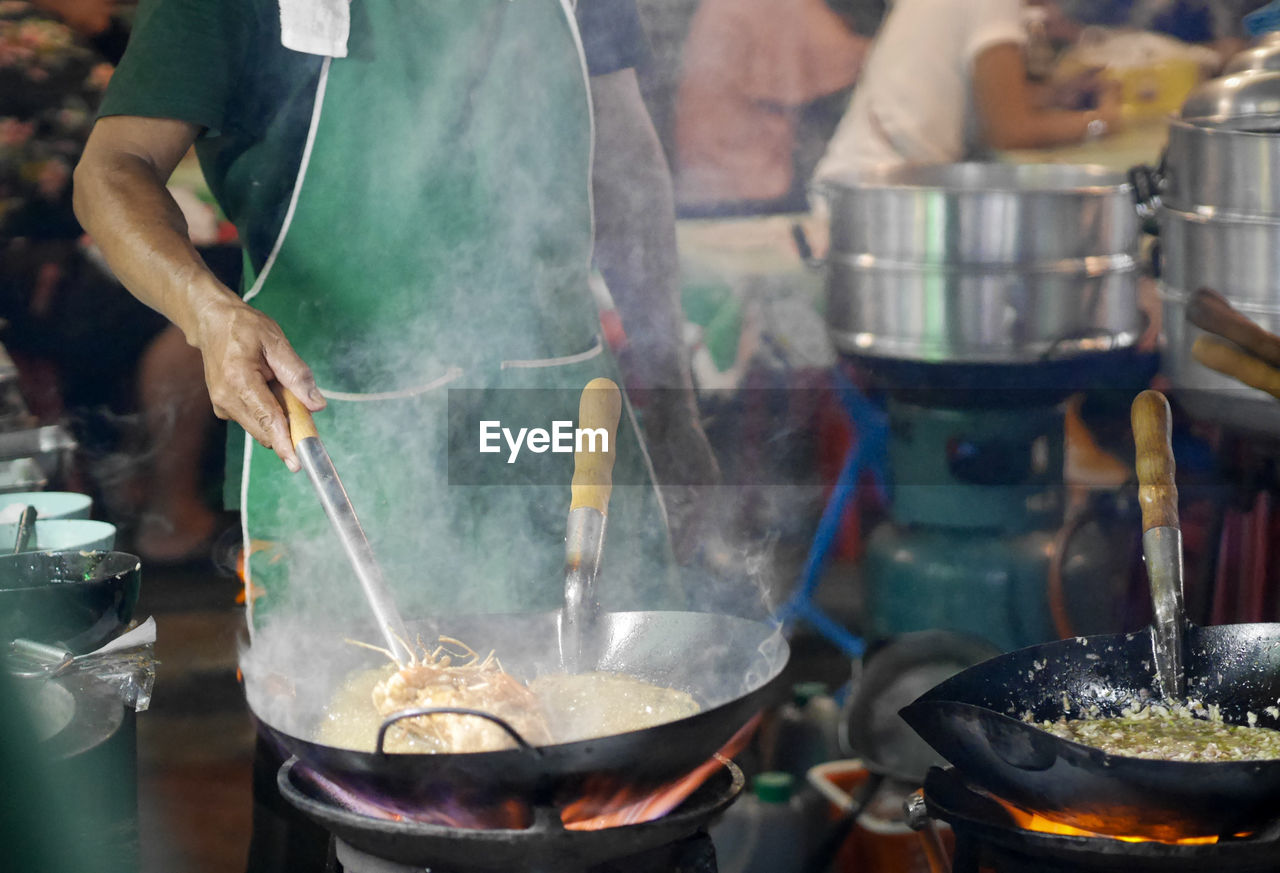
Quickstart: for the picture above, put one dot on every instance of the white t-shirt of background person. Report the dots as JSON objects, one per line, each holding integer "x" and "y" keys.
{"x": 914, "y": 102}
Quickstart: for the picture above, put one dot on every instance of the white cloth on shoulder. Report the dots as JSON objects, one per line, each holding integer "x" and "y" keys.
{"x": 315, "y": 27}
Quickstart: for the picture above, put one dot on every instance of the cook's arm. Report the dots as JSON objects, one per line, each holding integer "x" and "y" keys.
{"x": 1007, "y": 105}
{"x": 121, "y": 200}
{"x": 636, "y": 252}
{"x": 635, "y": 245}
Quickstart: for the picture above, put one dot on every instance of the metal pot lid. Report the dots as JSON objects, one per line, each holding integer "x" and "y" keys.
{"x": 1254, "y": 94}
{"x": 1259, "y": 57}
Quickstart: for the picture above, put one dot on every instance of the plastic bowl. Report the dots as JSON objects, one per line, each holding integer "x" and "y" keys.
{"x": 62, "y": 535}
{"x": 48, "y": 504}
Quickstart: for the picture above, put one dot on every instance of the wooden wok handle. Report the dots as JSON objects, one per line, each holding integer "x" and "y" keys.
{"x": 1210, "y": 311}
{"x": 301, "y": 424}
{"x": 1152, "y": 428}
{"x": 599, "y": 408}
{"x": 1230, "y": 360}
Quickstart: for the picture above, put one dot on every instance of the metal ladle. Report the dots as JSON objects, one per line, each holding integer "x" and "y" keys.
{"x": 1161, "y": 537}
{"x": 342, "y": 515}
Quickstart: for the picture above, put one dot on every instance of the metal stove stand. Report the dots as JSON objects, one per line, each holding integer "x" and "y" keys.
{"x": 675, "y": 843}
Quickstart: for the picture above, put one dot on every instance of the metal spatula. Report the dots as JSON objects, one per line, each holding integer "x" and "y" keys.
{"x": 1161, "y": 537}
{"x": 598, "y": 410}
{"x": 337, "y": 506}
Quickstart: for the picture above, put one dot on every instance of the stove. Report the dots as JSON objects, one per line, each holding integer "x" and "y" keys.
{"x": 989, "y": 839}
{"x": 674, "y": 843}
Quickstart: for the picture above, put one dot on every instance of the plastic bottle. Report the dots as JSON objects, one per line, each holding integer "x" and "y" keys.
{"x": 764, "y": 832}
{"x": 806, "y": 731}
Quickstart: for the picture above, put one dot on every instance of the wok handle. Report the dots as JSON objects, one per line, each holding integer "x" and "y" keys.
{"x": 1230, "y": 360}
{"x": 1210, "y": 311}
{"x": 451, "y": 710}
{"x": 1152, "y": 429}
{"x": 599, "y": 409}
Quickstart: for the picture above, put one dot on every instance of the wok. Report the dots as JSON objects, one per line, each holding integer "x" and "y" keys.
{"x": 77, "y": 599}
{"x": 732, "y": 666}
{"x": 976, "y": 719}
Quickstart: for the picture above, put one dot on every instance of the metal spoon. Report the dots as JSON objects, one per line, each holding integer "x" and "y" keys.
{"x": 26, "y": 530}
{"x": 1161, "y": 537}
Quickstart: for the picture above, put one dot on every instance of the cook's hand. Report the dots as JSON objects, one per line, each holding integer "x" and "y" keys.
{"x": 244, "y": 351}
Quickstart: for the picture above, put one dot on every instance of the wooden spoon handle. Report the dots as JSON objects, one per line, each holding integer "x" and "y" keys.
{"x": 599, "y": 409}
{"x": 1229, "y": 360}
{"x": 1152, "y": 430}
{"x": 301, "y": 424}
{"x": 1212, "y": 312}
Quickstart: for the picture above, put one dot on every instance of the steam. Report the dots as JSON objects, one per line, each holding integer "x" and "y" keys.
{"x": 447, "y": 550}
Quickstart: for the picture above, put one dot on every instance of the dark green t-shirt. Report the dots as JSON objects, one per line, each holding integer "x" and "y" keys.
{"x": 219, "y": 64}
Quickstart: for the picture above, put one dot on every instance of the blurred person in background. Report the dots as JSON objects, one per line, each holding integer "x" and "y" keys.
{"x": 64, "y": 310}
{"x": 1215, "y": 23}
{"x": 762, "y": 86}
{"x": 947, "y": 81}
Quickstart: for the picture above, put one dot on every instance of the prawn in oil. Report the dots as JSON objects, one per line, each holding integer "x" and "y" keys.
{"x": 454, "y": 675}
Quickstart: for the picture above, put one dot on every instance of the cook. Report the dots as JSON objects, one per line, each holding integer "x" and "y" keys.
{"x": 414, "y": 186}
{"x": 415, "y": 218}
{"x": 964, "y": 89}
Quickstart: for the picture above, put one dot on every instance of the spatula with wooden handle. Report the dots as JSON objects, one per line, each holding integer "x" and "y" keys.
{"x": 598, "y": 412}
{"x": 1161, "y": 536}
{"x": 342, "y": 515}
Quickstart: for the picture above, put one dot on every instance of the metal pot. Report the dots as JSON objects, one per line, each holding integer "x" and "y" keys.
{"x": 1010, "y": 315}
{"x": 982, "y": 263}
{"x": 1212, "y": 167}
{"x": 982, "y": 214}
{"x": 1218, "y": 209}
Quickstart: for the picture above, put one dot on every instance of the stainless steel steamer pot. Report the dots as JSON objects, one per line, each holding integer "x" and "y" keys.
{"x": 1219, "y": 217}
{"x": 982, "y": 263}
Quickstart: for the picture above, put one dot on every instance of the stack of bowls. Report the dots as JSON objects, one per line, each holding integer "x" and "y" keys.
{"x": 62, "y": 523}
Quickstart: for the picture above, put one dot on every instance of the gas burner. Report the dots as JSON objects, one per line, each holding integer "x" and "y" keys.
{"x": 675, "y": 842}
{"x": 988, "y": 839}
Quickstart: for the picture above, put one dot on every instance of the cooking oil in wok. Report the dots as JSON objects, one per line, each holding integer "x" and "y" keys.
{"x": 581, "y": 706}
{"x": 575, "y": 706}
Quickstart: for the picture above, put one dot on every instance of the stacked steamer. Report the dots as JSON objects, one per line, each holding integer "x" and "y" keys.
{"x": 981, "y": 296}
{"x": 1219, "y": 216}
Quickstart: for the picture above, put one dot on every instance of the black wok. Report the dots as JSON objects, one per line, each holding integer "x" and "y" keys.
{"x": 77, "y": 599}
{"x": 976, "y": 719}
{"x": 731, "y": 666}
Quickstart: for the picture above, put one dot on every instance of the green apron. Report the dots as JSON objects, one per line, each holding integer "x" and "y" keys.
{"x": 440, "y": 239}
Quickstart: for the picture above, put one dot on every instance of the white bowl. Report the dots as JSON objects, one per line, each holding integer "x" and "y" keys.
{"x": 48, "y": 504}
{"x": 63, "y": 535}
